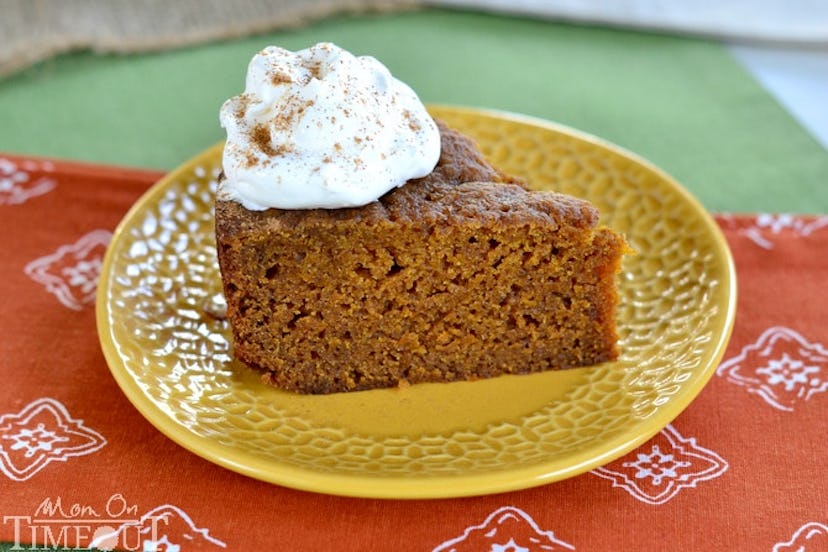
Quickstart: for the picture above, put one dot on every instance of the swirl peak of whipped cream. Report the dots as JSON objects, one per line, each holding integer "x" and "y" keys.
{"x": 322, "y": 128}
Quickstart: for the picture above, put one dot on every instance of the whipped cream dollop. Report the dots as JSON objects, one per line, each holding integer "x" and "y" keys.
{"x": 322, "y": 128}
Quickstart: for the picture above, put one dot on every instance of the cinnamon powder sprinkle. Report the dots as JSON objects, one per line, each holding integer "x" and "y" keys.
{"x": 249, "y": 159}
{"x": 287, "y": 118}
{"x": 261, "y": 139}
{"x": 279, "y": 78}
{"x": 316, "y": 70}
{"x": 412, "y": 123}
{"x": 241, "y": 106}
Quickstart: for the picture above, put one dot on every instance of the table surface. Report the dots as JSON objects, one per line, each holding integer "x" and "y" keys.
{"x": 685, "y": 104}
{"x": 754, "y": 436}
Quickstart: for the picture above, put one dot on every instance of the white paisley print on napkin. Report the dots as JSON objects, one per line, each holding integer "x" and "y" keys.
{"x": 165, "y": 528}
{"x": 20, "y": 181}
{"x": 766, "y": 226}
{"x": 668, "y": 463}
{"x": 41, "y": 433}
{"x": 507, "y": 529}
{"x": 782, "y": 367}
{"x": 71, "y": 273}
{"x": 811, "y": 537}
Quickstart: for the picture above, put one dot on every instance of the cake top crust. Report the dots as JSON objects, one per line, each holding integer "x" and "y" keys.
{"x": 463, "y": 186}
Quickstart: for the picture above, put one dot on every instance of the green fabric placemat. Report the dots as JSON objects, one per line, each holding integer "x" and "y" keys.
{"x": 684, "y": 104}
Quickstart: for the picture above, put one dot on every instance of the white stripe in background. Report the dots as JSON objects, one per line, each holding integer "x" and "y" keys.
{"x": 790, "y": 22}
{"x": 797, "y": 78}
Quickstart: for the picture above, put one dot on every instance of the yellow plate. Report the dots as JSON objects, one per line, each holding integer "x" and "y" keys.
{"x": 173, "y": 360}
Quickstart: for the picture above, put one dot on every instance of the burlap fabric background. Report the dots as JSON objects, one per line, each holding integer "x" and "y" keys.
{"x": 33, "y": 30}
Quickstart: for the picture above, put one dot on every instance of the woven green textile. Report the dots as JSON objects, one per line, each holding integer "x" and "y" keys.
{"x": 682, "y": 103}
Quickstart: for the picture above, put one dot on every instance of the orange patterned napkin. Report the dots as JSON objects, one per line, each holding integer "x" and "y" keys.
{"x": 743, "y": 468}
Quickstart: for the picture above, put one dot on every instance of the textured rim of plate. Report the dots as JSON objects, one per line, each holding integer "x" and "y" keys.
{"x": 437, "y": 486}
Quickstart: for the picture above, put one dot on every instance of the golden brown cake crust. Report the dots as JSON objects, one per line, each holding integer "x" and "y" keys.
{"x": 463, "y": 274}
